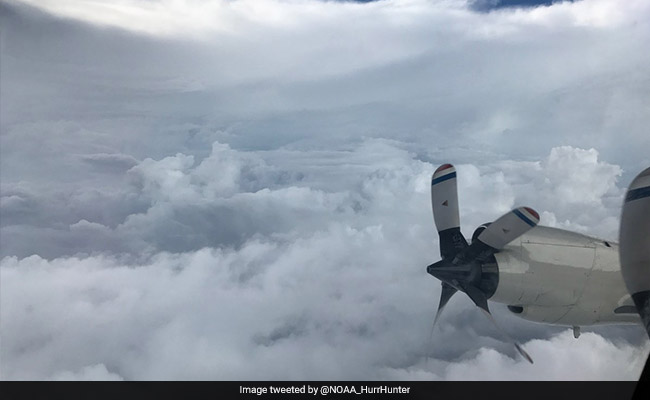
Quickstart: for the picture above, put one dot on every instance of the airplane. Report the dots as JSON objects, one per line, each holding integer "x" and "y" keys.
{"x": 542, "y": 274}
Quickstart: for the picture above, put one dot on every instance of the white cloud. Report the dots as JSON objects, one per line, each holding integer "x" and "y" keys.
{"x": 198, "y": 18}
{"x": 561, "y": 358}
{"x": 189, "y": 199}
{"x": 329, "y": 306}
{"x": 89, "y": 373}
{"x": 583, "y": 179}
{"x": 330, "y": 295}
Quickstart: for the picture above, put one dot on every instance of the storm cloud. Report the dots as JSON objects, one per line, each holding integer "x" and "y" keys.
{"x": 240, "y": 189}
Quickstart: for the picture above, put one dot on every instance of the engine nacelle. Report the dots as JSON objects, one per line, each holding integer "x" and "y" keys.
{"x": 555, "y": 276}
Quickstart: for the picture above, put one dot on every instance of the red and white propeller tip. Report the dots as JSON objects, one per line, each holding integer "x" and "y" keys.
{"x": 444, "y": 198}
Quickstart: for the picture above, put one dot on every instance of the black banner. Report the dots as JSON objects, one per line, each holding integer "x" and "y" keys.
{"x": 328, "y": 390}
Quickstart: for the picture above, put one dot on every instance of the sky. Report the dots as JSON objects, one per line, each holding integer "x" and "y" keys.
{"x": 240, "y": 189}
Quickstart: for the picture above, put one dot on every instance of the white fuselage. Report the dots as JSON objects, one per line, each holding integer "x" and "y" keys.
{"x": 559, "y": 277}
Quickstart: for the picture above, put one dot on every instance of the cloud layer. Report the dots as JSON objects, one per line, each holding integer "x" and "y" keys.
{"x": 245, "y": 195}
{"x": 336, "y": 305}
{"x": 228, "y": 275}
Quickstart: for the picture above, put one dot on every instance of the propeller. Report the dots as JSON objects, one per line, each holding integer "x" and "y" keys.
{"x": 634, "y": 250}
{"x": 634, "y": 253}
{"x": 471, "y": 269}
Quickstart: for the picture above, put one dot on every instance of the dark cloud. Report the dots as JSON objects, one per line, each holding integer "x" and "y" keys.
{"x": 489, "y": 5}
{"x": 110, "y": 162}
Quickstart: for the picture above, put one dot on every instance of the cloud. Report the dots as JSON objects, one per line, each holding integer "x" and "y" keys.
{"x": 338, "y": 286}
{"x": 90, "y": 373}
{"x": 556, "y": 360}
{"x": 250, "y": 200}
{"x": 110, "y": 162}
{"x": 571, "y": 187}
{"x": 332, "y": 306}
{"x": 198, "y": 19}
{"x": 176, "y": 204}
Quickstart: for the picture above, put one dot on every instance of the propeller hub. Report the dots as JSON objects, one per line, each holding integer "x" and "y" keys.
{"x": 482, "y": 275}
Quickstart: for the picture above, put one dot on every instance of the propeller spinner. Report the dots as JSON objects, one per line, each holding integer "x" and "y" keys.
{"x": 471, "y": 269}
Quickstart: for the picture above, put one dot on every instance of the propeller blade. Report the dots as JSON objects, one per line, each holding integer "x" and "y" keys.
{"x": 444, "y": 266}
{"x": 478, "y": 297}
{"x": 509, "y": 227}
{"x": 498, "y": 234}
{"x": 444, "y": 201}
{"x": 511, "y": 340}
{"x": 634, "y": 250}
{"x": 445, "y": 294}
